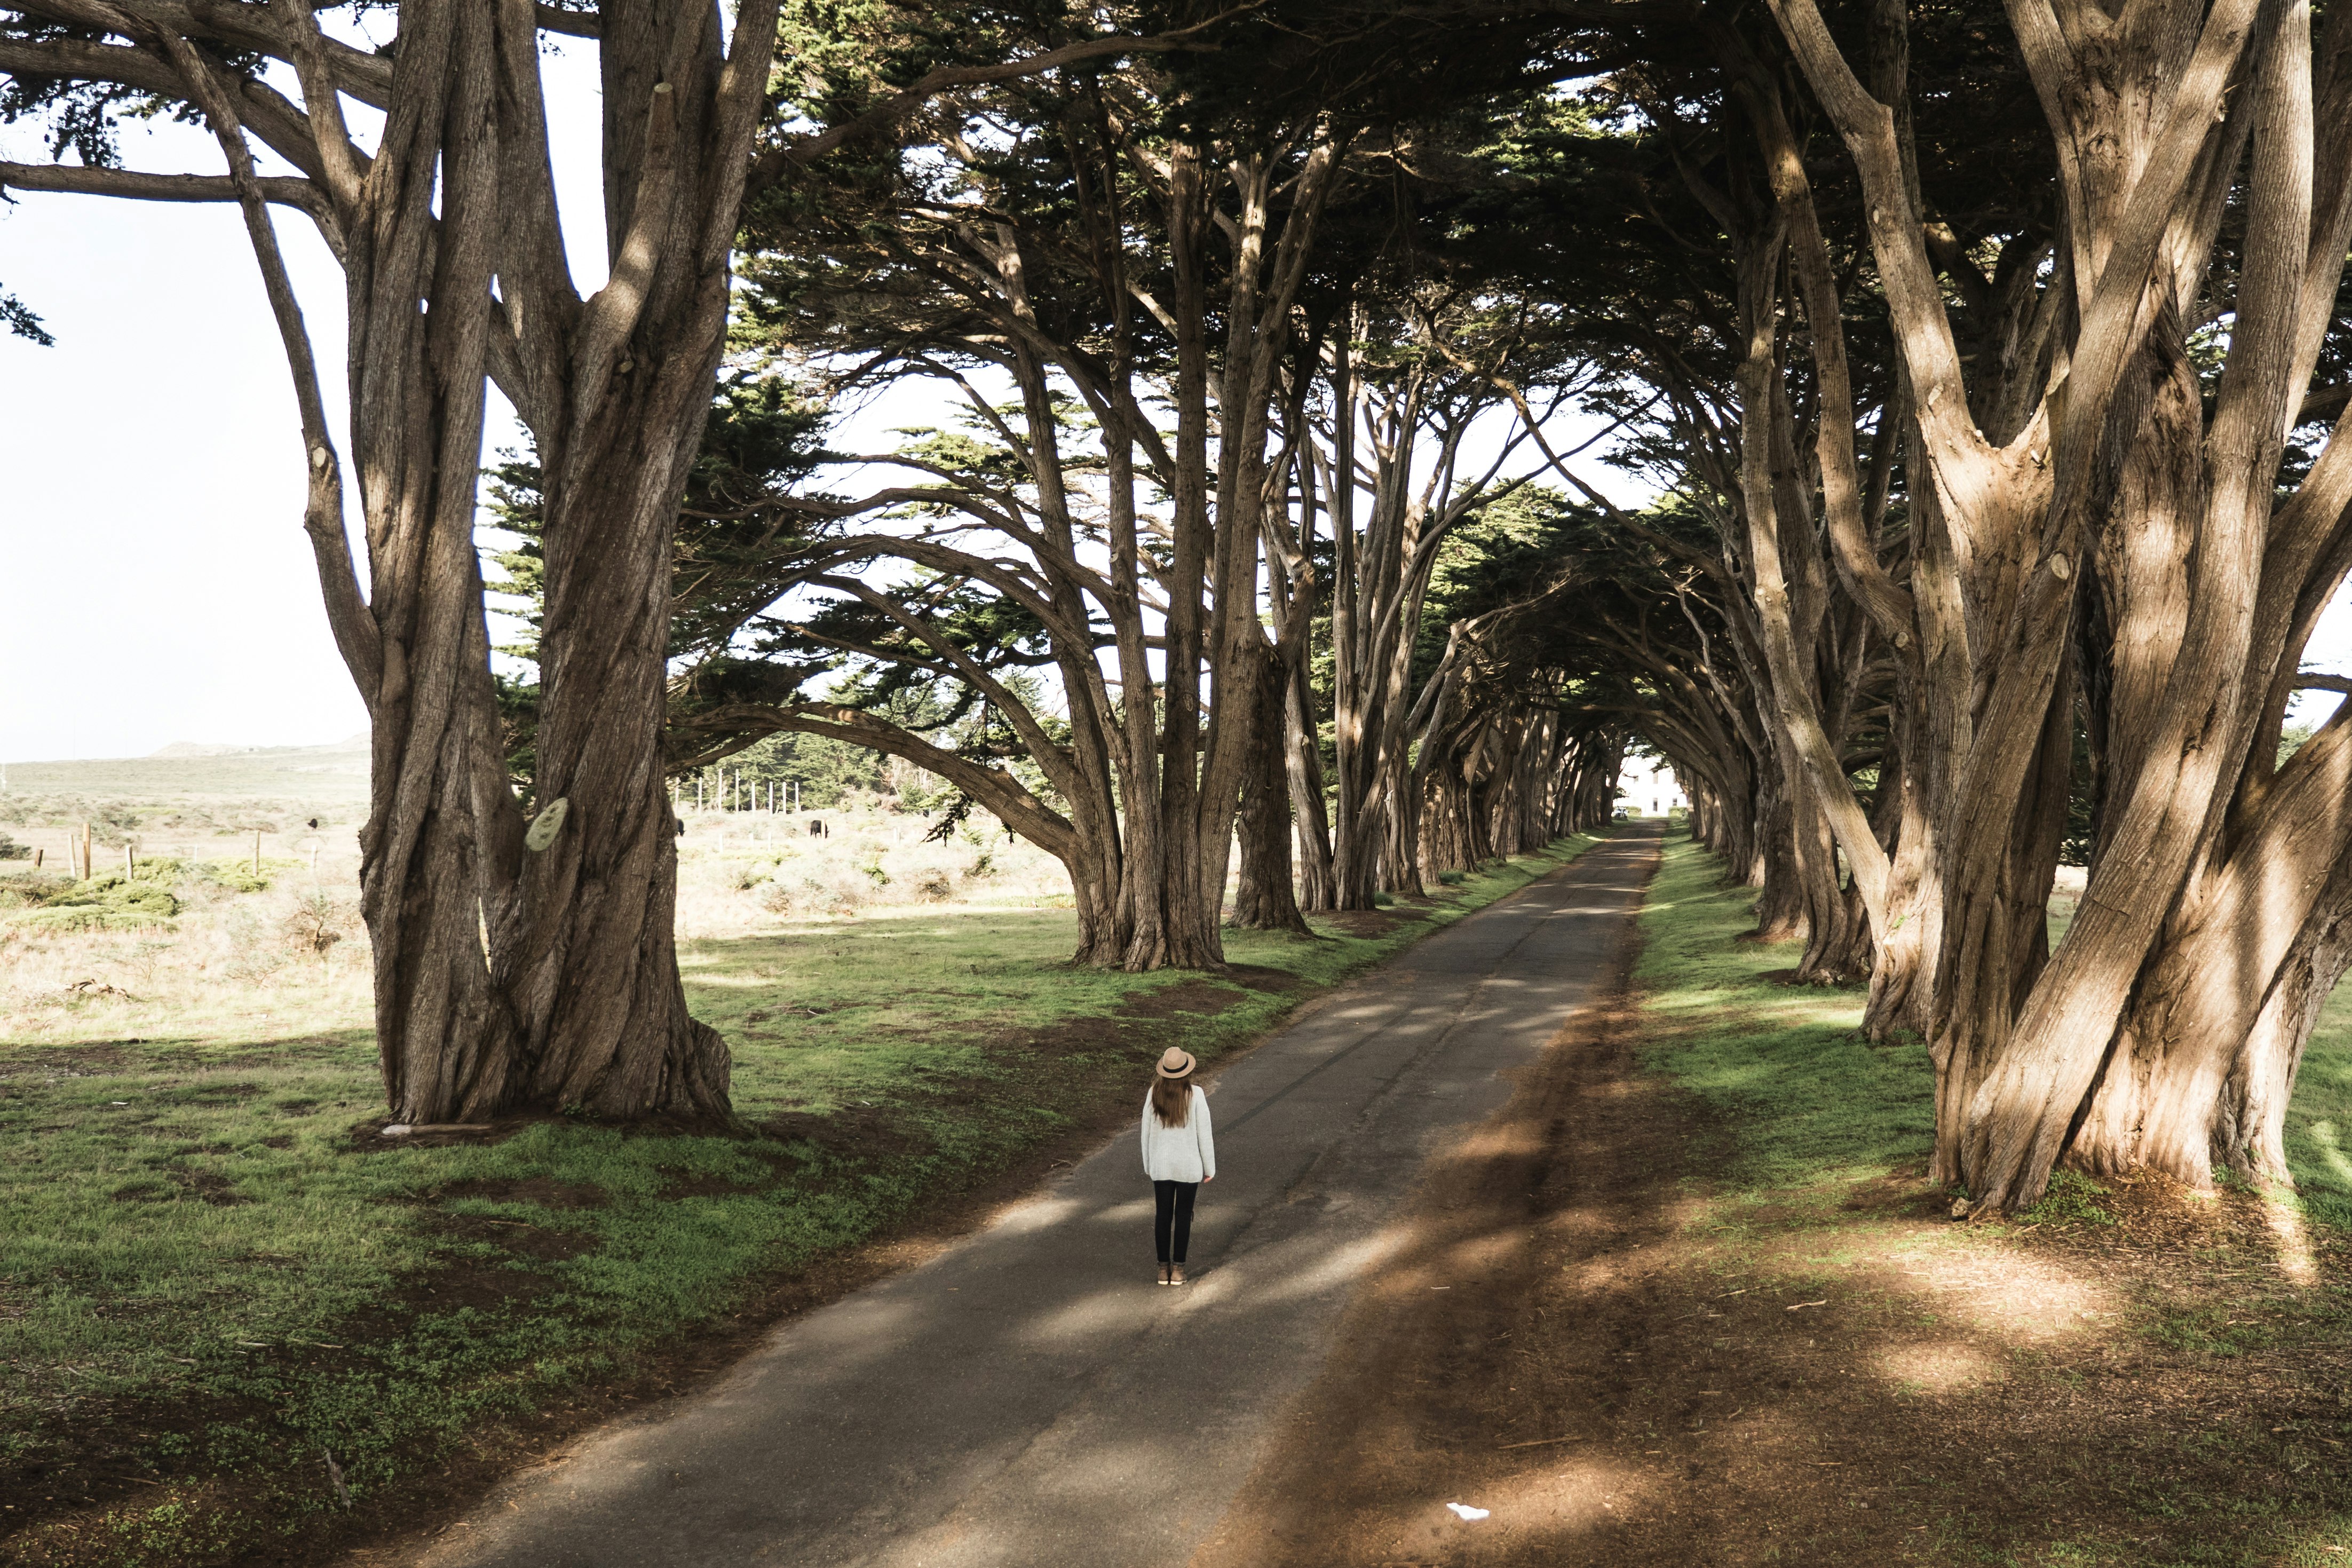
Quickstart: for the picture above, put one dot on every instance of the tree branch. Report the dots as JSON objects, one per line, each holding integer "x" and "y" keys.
{"x": 132, "y": 185}
{"x": 572, "y": 24}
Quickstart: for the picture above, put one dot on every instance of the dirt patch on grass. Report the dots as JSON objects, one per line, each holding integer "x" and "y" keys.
{"x": 680, "y": 1184}
{"x": 517, "y": 1238}
{"x": 69, "y": 1061}
{"x": 542, "y": 1191}
{"x": 1794, "y": 977}
{"x": 846, "y": 1132}
{"x": 1373, "y": 922}
{"x": 1194, "y": 998}
{"x": 1626, "y": 1369}
{"x": 210, "y": 1186}
{"x": 1258, "y": 977}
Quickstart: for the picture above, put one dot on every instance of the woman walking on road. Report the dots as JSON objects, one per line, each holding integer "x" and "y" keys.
{"x": 1178, "y": 1154}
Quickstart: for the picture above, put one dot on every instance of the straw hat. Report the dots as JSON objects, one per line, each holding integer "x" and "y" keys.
{"x": 1174, "y": 1063}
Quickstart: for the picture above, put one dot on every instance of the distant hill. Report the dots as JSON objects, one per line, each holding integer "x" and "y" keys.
{"x": 197, "y": 749}
{"x": 333, "y": 773}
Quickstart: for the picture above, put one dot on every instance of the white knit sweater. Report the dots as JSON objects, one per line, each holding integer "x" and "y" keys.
{"x": 1186, "y": 1154}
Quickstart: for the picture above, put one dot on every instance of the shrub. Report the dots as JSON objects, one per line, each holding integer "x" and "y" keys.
{"x": 238, "y": 875}
{"x": 776, "y": 899}
{"x": 250, "y": 958}
{"x": 316, "y": 921}
{"x": 114, "y": 890}
{"x": 114, "y": 826}
{"x": 935, "y": 888}
{"x": 70, "y": 917}
{"x": 30, "y": 892}
{"x": 838, "y": 895}
{"x": 1452, "y": 879}
{"x": 12, "y": 850}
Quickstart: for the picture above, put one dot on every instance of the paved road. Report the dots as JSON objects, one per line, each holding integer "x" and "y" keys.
{"x": 1030, "y": 1397}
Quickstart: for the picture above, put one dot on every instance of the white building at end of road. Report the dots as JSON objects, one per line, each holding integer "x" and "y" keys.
{"x": 1646, "y": 786}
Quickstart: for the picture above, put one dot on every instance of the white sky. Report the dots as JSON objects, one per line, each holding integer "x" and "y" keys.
{"x": 155, "y": 584}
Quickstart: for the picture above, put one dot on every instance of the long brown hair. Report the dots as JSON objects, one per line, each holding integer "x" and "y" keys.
{"x": 1172, "y": 1100}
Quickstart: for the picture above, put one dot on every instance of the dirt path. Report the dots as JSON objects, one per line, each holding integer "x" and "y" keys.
{"x": 1579, "y": 1337}
{"x": 1030, "y": 1397}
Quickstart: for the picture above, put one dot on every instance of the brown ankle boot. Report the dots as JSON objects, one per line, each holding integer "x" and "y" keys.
{"x": 1176, "y": 1274}
{"x": 1163, "y": 1273}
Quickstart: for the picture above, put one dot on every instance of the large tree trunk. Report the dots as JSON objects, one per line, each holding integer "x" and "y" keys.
{"x": 446, "y": 1034}
{"x": 1262, "y": 898}
{"x": 1317, "y": 878}
{"x": 1780, "y": 912}
{"x": 589, "y": 951}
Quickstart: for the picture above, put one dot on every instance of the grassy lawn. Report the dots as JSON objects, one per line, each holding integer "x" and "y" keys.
{"x": 214, "y": 1274}
{"x": 2130, "y": 1374}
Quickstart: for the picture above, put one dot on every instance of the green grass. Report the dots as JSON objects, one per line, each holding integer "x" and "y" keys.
{"x": 1813, "y": 1101}
{"x": 205, "y": 1259}
{"x": 2319, "y": 1117}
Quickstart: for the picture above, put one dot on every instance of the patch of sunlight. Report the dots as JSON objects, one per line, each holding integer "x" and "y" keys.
{"x": 1556, "y": 1497}
{"x": 2295, "y": 1258}
{"x": 2324, "y": 1134}
{"x": 2329, "y": 1543}
{"x": 1301, "y": 1282}
{"x": 1944, "y": 1366}
{"x": 1092, "y": 1316}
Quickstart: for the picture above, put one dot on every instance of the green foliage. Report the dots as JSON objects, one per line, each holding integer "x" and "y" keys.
{"x": 827, "y": 770}
{"x": 115, "y": 901}
{"x": 32, "y": 889}
{"x": 12, "y": 850}
{"x": 20, "y": 321}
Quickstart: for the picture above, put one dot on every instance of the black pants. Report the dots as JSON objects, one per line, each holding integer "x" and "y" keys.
{"x": 1172, "y": 1217}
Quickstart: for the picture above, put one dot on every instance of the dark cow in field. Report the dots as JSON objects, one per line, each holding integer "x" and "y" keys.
{"x": 817, "y": 828}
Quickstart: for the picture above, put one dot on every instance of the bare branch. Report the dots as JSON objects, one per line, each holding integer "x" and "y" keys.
{"x": 132, "y": 185}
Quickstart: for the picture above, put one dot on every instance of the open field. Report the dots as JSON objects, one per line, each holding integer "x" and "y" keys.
{"x": 217, "y": 1273}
